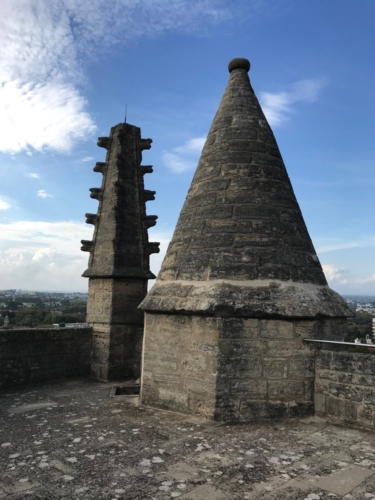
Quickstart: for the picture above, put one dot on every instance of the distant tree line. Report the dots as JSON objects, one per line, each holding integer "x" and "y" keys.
{"x": 42, "y": 317}
{"x": 360, "y": 326}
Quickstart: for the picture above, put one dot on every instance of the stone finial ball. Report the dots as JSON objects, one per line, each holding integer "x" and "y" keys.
{"x": 239, "y": 62}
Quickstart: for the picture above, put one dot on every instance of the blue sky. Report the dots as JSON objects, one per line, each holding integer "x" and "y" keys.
{"x": 68, "y": 67}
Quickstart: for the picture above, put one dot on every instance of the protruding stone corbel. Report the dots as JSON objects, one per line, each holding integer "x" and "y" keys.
{"x": 103, "y": 142}
{"x": 145, "y": 144}
{"x": 146, "y": 169}
{"x": 152, "y": 247}
{"x": 91, "y": 218}
{"x": 87, "y": 245}
{"x": 96, "y": 193}
{"x": 150, "y": 220}
{"x": 148, "y": 195}
{"x": 100, "y": 166}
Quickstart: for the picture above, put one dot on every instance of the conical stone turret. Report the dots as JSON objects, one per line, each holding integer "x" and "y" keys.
{"x": 241, "y": 284}
{"x": 241, "y": 242}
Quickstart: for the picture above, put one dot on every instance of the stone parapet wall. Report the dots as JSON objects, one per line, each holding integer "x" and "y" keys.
{"x": 36, "y": 355}
{"x": 345, "y": 388}
{"x": 230, "y": 369}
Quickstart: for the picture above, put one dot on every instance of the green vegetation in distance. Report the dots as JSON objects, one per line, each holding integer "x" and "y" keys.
{"x": 359, "y": 327}
{"x": 40, "y": 316}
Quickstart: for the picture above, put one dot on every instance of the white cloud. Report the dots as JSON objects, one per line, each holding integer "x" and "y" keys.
{"x": 335, "y": 275}
{"x": 43, "y": 255}
{"x": 4, "y": 205}
{"x": 183, "y": 158}
{"x": 86, "y": 158}
{"x": 278, "y": 106}
{"x": 33, "y": 176}
{"x": 46, "y": 255}
{"x": 156, "y": 259}
{"x": 42, "y": 194}
{"x": 336, "y": 244}
{"x": 44, "y": 47}
{"x": 41, "y": 116}
{"x": 339, "y": 246}
{"x": 345, "y": 281}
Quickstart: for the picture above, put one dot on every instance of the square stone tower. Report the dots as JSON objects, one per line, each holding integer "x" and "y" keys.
{"x": 119, "y": 267}
{"x": 241, "y": 284}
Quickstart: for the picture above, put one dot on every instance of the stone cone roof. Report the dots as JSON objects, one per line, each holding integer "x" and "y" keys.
{"x": 241, "y": 246}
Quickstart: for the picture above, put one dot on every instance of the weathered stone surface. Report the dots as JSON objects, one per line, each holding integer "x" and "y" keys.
{"x": 110, "y": 448}
{"x": 253, "y": 236}
{"x": 242, "y": 274}
{"x": 37, "y": 355}
{"x": 344, "y": 381}
{"x": 120, "y": 234}
{"x": 119, "y": 255}
{"x": 215, "y": 366}
{"x": 259, "y": 298}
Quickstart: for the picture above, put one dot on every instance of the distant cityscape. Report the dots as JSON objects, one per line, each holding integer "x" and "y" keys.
{"x": 50, "y": 299}
{"x": 361, "y": 303}
{"x": 28, "y": 308}
{"x": 32, "y": 309}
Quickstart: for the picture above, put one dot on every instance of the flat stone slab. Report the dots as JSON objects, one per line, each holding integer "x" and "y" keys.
{"x": 91, "y": 446}
{"x": 32, "y": 407}
{"x": 344, "y": 481}
{"x": 341, "y": 481}
{"x": 205, "y": 492}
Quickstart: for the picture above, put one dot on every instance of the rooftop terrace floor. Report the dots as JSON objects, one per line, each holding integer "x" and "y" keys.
{"x": 71, "y": 440}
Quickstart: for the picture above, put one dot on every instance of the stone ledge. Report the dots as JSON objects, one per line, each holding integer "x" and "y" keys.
{"x": 255, "y": 298}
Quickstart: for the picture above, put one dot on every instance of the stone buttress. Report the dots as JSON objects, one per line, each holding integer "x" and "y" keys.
{"x": 241, "y": 284}
{"x": 118, "y": 267}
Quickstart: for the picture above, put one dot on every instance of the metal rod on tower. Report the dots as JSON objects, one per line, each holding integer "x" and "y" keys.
{"x": 126, "y": 109}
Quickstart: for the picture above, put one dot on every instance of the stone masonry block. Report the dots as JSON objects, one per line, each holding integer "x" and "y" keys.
{"x": 348, "y": 392}
{"x": 210, "y": 347}
{"x": 193, "y": 362}
{"x": 255, "y": 410}
{"x": 250, "y": 367}
{"x": 323, "y": 360}
{"x": 320, "y": 404}
{"x": 336, "y": 407}
{"x": 206, "y": 388}
{"x": 242, "y": 348}
{"x": 327, "y": 374}
{"x": 253, "y": 389}
{"x": 354, "y": 379}
{"x": 286, "y": 390}
{"x": 227, "y": 409}
{"x": 166, "y": 378}
{"x": 238, "y": 328}
{"x": 176, "y": 398}
{"x": 287, "y": 348}
{"x": 302, "y": 366}
{"x": 169, "y": 363}
{"x": 368, "y": 395}
{"x": 276, "y": 329}
{"x": 307, "y": 329}
{"x": 275, "y": 368}
{"x": 365, "y": 415}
